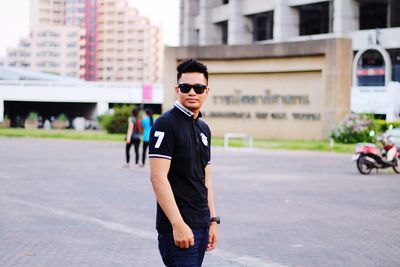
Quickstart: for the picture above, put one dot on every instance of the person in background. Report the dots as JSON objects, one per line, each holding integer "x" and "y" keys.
{"x": 133, "y": 136}
{"x": 147, "y": 122}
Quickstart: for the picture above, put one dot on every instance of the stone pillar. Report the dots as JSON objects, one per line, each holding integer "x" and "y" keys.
{"x": 239, "y": 26}
{"x": 102, "y": 108}
{"x": 345, "y": 16}
{"x": 1, "y": 110}
{"x": 189, "y": 12}
{"x": 337, "y": 82}
{"x": 286, "y": 21}
{"x": 209, "y": 33}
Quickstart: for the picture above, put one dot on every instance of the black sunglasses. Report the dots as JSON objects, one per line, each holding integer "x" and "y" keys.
{"x": 198, "y": 88}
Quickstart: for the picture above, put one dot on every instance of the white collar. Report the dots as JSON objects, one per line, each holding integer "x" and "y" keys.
{"x": 183, "y": 109}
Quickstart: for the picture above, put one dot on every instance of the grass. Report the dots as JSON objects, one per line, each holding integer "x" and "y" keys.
{"x": 217, "y": 141}
{"x": 62, "y": 134}
{"x": 289, "y": 145}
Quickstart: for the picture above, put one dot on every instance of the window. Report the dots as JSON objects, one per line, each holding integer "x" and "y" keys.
{"x": 224, "y": 31}
{"x": 371, "y": 69}
{"x": 394, "y": 11}
{"x": 395, "y": 59}
{"x": 263, "y": 26}
{"x": 315, "y": 18}
{"x": 225, "y": 2}
{"x": 373, "y": 15}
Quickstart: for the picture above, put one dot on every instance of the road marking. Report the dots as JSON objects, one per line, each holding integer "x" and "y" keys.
{"x": 244, "y": 260}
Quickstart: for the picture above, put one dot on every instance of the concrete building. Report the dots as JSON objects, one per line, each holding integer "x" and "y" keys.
{"x": 129, "y": 46}
{"x": 115, "y": 43}
{"x": 273, "y": 43}
{"x": 51, "y": 49}
{"x": 83, "y": 14}
{"x": 213, "y": 22}
{"x": 47, "y": 12}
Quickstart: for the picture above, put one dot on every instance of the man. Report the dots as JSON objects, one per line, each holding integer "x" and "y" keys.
{"x": 179, "y": 153}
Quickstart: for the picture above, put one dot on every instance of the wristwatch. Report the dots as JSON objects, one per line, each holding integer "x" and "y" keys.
{"x": 215, "y": 219}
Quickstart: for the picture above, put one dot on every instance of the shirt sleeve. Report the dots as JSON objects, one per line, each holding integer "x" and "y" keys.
{"x": 209, "y": 147}
{"x": 161, "y": 143}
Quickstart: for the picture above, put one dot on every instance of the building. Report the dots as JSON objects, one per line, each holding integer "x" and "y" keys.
{"x": 292, "y": 69}
{"x": 129, "y": 46}
{"x": 83, "y": 14}
{"x": 213, "y": 22}
{"x": 23, "y": 91}
{"x": 368, "y": 23}
{"x": 50, "y": 49}
{"x": 115, "y": 43}
{"x": 47, "y": 12}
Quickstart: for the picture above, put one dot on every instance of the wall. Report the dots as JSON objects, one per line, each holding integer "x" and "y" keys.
{"x": 297, "y": 90}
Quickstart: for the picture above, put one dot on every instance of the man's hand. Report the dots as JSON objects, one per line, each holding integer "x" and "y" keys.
{"x": 183, "y": 235}
{"x": 212, "y": 237}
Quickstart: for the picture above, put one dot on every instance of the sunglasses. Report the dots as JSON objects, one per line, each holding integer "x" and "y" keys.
{"x": 198, "y": 88}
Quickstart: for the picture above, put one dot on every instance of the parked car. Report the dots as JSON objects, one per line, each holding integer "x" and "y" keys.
{"x": 395, "y": 136}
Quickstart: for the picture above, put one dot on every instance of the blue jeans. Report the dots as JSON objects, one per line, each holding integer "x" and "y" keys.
{"x": 174, "y": 256}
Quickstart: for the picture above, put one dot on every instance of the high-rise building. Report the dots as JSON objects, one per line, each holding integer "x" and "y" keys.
{"x": 51, "y": 49}
{"x": 47, "y": 12}
{"x": 112, "y": 41}
{"x": 83, "y": 14}
{"x": 129, "y": 47}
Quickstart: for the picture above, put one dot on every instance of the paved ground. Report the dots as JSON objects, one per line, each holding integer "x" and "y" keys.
{"x": 70, "y": 203}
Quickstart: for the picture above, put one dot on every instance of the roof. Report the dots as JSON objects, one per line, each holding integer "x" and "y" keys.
{"x": 12, "y": 73}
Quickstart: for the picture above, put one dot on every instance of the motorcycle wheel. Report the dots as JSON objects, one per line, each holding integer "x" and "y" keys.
{"x": 397, "y": 168}
{"x": 362, "y": 167}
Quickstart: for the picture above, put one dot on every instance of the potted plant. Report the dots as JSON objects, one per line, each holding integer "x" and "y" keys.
{"x": 6, "y": 123}
{"x": 61, "y": 122}
{"x": 31, "y": 122}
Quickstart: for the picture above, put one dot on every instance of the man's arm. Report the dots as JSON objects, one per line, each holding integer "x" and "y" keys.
{"x": 213, "y": 232}
{"x": 182, "y": 233}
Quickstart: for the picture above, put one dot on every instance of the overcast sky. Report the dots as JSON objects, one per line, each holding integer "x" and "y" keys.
{"x": 14, "y": 19}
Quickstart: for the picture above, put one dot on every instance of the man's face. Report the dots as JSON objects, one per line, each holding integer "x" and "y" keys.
{"x": 192, "y": 100}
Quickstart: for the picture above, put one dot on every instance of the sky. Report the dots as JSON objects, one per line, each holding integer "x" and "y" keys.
{"x": 14, "y": 20}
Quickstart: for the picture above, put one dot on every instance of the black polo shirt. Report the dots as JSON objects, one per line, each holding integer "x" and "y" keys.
{"x": 178, "y": 137}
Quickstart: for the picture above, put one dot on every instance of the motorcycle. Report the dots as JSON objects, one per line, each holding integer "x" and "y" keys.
{"x": 369, "y": 156}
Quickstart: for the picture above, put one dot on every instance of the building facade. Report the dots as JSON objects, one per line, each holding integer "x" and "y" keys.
{"x": 112, "y": 41}
{"x": 213, "y": 22}
{"x": 367, "y": 22}
{"x": 50, "y": 49}
{"x": 373, "y": 26}
{"x": 129, "y": 46}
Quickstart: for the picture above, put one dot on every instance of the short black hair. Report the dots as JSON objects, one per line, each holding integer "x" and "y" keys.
{"x": 191, "y": 65}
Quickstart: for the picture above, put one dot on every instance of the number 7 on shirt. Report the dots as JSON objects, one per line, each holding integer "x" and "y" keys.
{"x": 160, "y": 137}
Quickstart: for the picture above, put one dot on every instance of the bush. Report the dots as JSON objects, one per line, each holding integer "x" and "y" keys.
{"x": 118, "y": 121}
{"x": 62, "y": 117}
{"x": 383, "y": 125}
{"x": 32, "y": 116}
{"x": 354, "y": 128}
